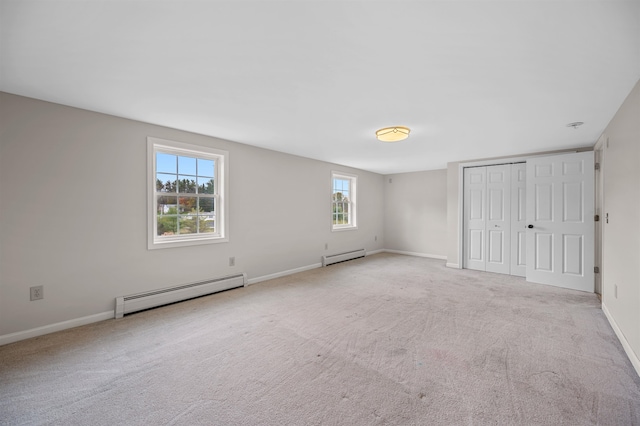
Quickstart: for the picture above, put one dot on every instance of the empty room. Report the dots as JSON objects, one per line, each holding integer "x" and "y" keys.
{"x": 319, "y": 212}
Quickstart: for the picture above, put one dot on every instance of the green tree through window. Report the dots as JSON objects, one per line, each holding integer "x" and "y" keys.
{"x": 185, "y": 194}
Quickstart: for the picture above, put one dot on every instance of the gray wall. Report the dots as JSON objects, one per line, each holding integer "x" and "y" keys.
{"x": 73, "y": 213}
{"x": 621, "y": 236}
{"x": 415, "y": 214}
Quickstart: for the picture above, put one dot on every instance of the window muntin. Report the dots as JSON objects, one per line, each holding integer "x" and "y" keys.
{"x": 343, "y": 201}
{"x": 187, "y": 195}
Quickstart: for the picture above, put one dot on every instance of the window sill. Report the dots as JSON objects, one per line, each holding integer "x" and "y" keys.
{"x": 344, "y": 228}
{"x": 153, "y": 245}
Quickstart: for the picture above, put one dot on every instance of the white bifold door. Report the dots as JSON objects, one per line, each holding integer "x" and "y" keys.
{"x": 487, "y": 200}
{"x": 533, "y": 220}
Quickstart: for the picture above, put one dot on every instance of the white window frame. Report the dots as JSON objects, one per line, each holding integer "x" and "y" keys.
{"x": 353, "y": 205}
{"x": 221, "y": 170}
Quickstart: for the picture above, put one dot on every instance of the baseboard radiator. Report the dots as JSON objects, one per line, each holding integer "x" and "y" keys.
{"x": 151, "y": 299}
{"x": 343, "y": 257}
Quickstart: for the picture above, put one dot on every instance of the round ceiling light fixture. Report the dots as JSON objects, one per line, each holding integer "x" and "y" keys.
{"x": 393, "y": 134}
{"x": 576, "y": 124}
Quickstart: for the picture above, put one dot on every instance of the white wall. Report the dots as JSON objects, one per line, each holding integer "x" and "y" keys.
{"x": 73, "y": 213}
{"x": 415, "y": 213}
{"x": 621, "y": 239}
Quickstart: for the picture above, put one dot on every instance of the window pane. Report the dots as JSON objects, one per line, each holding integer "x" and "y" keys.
{"x": 205, "y": 168}
{"x": 207, "y": 224}
{"x": 167, "y": 225}
{"x": 187, "y": 166}
{"x": 187, "y": 194}
{"x": 167, "y": 205}
{"x": 206, "y": 205}
{"x": 166, "y": 163}
{"x": 340, "y": 185}
{"x": 187, "y": 205}
{"x": 186, "y": 184}
{"x": 165, "y": 182}
{"x": 187, "y": 225}
{"x": 205, "y": 185}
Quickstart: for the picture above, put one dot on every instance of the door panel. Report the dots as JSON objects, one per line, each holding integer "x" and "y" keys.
{"x": 572, "y": 257}
{"x": 496, "y": 204}
{"x": 518, "y": 219}
{"x": 544, "y": 252}
{"x": 544, "y": 202}
{"x": 476, "y": 204}
{"x": 476, "y": 244}
{"x": 496, "y": 244}
{"x": 498, "y": 224}
{"x": 560, "y": 206}
{"x": 572, "y": 202}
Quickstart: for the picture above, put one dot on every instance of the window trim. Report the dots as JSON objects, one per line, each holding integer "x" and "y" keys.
{"x": 222, "y": 208}
{"x": 353, "y": 202}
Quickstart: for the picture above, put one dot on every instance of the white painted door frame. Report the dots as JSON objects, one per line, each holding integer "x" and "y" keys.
{"x": 599, "y": 150}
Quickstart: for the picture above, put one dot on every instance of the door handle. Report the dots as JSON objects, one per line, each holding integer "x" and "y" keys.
{"x": 530, "y": 226}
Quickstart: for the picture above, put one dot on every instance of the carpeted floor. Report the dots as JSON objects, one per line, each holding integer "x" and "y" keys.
{"x": 384, "y": 340}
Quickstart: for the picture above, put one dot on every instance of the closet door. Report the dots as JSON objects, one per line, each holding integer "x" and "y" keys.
{"x": 498, "y": 223}
{"x": 518, "y": 219}
{"x": 474, "y": 218}
{"x": 560, "y": 231}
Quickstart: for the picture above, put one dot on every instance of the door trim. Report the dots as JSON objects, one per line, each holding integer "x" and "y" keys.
{"x": 599, "y": 153}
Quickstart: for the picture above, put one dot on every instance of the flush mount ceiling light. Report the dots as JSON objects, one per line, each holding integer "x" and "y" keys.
{"x": 575, "y": 125}
{"x": 393, "y": 134}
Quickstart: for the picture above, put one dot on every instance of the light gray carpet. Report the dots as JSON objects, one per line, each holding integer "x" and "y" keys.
{"x": 384, "y": 340}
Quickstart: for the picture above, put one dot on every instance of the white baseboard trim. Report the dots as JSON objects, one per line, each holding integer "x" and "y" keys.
{"x": 635, "y": 361}
{"x": 369, "y": 253}
{"x": 411, "y": 253}
{"x": 453, "y": 265}
{"x": 52, "y": 328}
{"x": 283, "y": 273}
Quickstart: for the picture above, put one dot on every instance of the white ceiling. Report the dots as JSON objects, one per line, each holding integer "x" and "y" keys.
{"x": 472, "y": 79}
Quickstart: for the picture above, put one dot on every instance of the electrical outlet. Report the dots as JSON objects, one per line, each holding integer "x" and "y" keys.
{"x": 36, "y": 293}
{"x": 326, "y": 246}
{"x": 375, "y": 238}
{"x": 615, "y": 290}
{"x": 232, "y": 261}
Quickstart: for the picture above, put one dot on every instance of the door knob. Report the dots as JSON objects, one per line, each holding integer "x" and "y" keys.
{"x": 530, "y": 226}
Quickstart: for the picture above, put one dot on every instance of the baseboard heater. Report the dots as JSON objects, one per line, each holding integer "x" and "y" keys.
{"x": 151, "y": 299}
{"x": 342, "y": 257}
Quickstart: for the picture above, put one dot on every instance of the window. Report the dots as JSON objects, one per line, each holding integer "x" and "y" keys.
{"x": 187, "y": 186}
{"x": 343, "y": 201}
